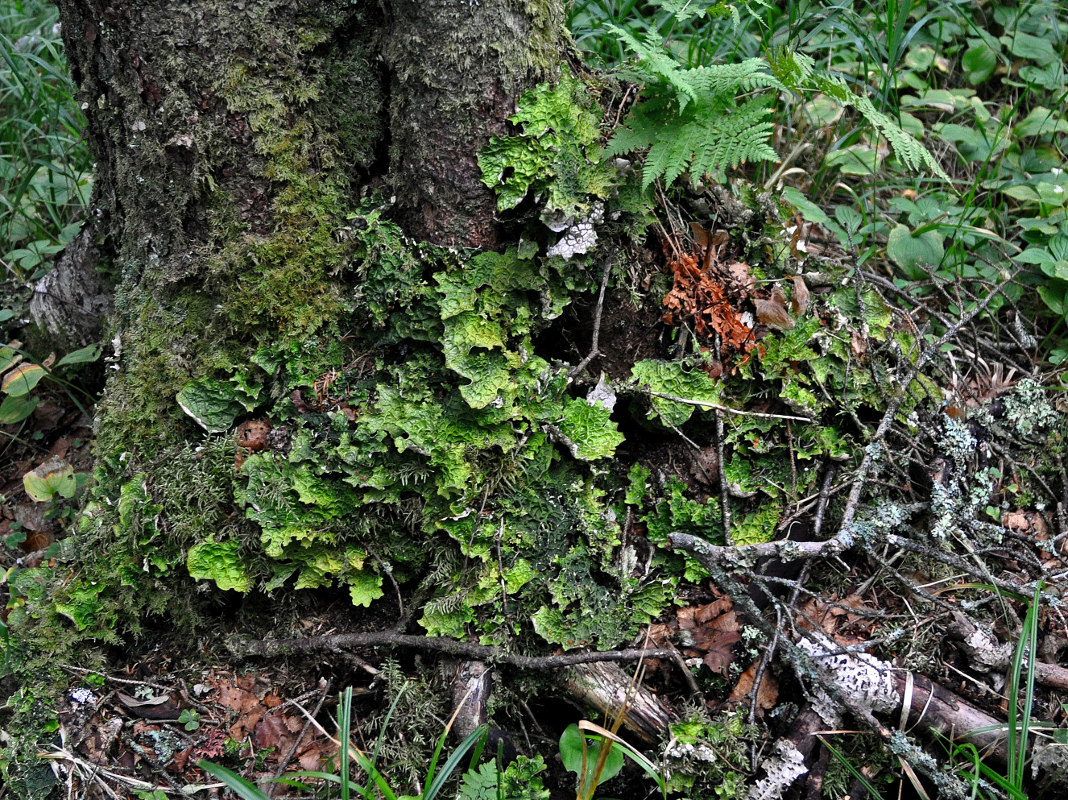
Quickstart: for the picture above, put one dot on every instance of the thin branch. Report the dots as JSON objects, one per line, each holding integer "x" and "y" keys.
{"x": 245, "y": 648}
{"x": 875, "y": 447}
{"x": 745, "y": 554}
{"x": 726, "y": 409}
{"x": 595, "y": 342}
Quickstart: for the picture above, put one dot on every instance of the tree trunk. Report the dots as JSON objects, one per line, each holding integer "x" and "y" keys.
{"x": 225, "y": 132}
{"x": 232, "y": 144}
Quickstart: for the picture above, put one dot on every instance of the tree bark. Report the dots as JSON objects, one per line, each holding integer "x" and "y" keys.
{"x": 224, "y": 131}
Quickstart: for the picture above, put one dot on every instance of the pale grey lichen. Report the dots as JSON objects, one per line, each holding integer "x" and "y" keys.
{"x": 784, "y": 767}
{"x": 1029, "y": 410}
{"x": 1050, "y": 759}
{"x": 861, "y": 680}
{"x": 580, "y": 236}
{"x": 602, "y": 394}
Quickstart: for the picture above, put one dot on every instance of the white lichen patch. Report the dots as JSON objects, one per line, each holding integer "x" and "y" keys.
{"x": 860, "y": 679}
{"x": 1050, "y": 760}
{"x": 580, "y": 236}
{"x": 602, "y": 394}
{"x": 1029, "y": 410}
{"x": 784, "y": 767}
{"x": 985, "y": 652}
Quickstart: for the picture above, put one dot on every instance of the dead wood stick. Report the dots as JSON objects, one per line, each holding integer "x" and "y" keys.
{"x": 726, "y": 409}
{"x": 595, "y": 347}
{"x": 608, "y": 688}
{"x": 241, "y": 647}
{"x": 985, "y": 652}
{"x": 748, "y": 554}
{"x": 934, "y": 707}
{"x": 471, "y": 688}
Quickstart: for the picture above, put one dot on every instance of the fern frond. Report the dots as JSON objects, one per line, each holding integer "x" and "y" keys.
{"x": 640, "y": 129}
{"x": 727, "y": 141}
{"x": 655, "y": 64}
{"x": 792, "y": 68}
{"x": 729, "y": 79}
{"x": 906, "y": 147}
{"x": 704, "y": 140}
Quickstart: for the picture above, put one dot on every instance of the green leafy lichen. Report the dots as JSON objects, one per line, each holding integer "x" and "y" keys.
{"x": 556, "y": 155}
{"x": 220, "y": 562}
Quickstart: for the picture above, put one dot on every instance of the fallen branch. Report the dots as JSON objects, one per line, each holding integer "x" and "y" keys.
{"x": 703, "y": 404}
{"x": 749, "y": 554}
{"x": 241, "y": 647}
{"x": 609, "y": 689}
{"x": 985, "y": 653}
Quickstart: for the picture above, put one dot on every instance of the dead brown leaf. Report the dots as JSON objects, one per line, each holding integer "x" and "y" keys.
{"x": 773, "y": 313}
{"x": 799, "y": 302}
{"x": 768, "y": 693}
{"x": 713, "y": 632}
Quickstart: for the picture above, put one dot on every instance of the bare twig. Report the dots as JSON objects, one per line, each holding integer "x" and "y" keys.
{"x": 726, "y": 409}
{"x": 747, "y": 554}
{"x": 595, "y": 342}
{"x": 875, "y": 447}
{"x": 245, "y": 648}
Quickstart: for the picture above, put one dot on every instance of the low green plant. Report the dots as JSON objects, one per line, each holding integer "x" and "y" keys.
{"x": 44, "y": 161}
{"x": 1022, "y": 672}
{"x": 705, "y": 119}
{"x": 595, "y": 754}
{"x": 966, "y": 763}
{"x": 20, "y": 374}
{"x": 491, "y": 781}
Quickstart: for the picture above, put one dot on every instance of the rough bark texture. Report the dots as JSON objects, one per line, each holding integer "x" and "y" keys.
{"x": 610, "y": 690}
{"x": 456, "y": 71}
{"x": 231, "y": 141}
{"x": 71, "y": 303}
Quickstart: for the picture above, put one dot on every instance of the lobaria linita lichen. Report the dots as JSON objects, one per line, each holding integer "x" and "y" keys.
{"x": 417, "y": 436}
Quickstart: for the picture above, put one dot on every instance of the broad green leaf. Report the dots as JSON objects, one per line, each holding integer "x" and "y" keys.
{"x": 365, "y": 587}
{"x": 571, "y": 747}
{"x": 1056, "y": 269}
{"x": 909, "y": 251}
{"x": 590, "y": 431}
{"x": 1034, "y": 48}
{"x": 979, "y": 62}
{"x": 1041, "y": 122}
{"x": 22, "y": 379}
{"x": 1035, "y": 255}
{"x": 855, "y": 160}
{"x": 220, "y": 562}
{"x": 85, "y": 355}
{"x": 9, "y": 356}
{"x": 1052, "y": 194}
{"x": 1021, "y": 191}
{"x": 809, "y": 210}
{"x": 53, "y": 477}
{"x": 1055, "y": 298}
{"x": 16, "y": 409}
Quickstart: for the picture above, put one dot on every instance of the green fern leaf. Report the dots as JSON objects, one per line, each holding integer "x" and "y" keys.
{"x": 911, "y": 153}
{"x": 656, "y": 64}
{"x": 729, "y": 79}
{"x": 906, "y": 147}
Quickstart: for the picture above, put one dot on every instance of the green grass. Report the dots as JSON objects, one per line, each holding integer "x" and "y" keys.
{"x": 44, "y": 162}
